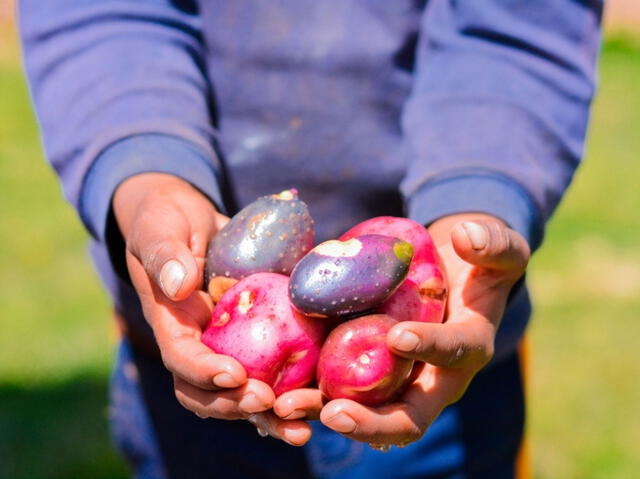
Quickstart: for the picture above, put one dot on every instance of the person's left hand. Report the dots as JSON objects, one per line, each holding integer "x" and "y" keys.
{"x": 483, "y": 259}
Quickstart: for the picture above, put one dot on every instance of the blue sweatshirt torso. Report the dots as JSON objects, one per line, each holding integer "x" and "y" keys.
{"x": 412, "y": 108}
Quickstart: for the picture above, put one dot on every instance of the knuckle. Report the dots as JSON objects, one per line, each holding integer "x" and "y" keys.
{"x": 130, "y": 244}
{"x": 414, "y": 434}
{"x": 278, "y": 431}
{"x": 152, "y": 257}
{"x": 167, "y": 360}
{"x": 170, "y": 353}
{"x": 505, "y": 242}
{"x": 480, "y": 357}
{"x": 201, "y": 415}
{"x": 500, "y": 240}
{"x": 457, "y": 350}
{"x": 222, "y": 410}
{"x": 181, "y": 397}
{"x": 457, "y": 354}
{"x": 486, "y": 349}
{"x": 178, "y": 360}
{"x": 457, "y": 396}
{"x": 358, "y": 432}
{"x": 488, "y": 353}
{"x": 466, "y": 349}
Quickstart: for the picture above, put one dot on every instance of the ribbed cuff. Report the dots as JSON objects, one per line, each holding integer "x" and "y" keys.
{"x": 479, "y": 193}
{"x": 146, "y": 153}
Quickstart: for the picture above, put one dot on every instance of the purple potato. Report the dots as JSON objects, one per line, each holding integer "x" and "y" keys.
{"x": 343, "y": 278}
{"x": 269, "y": 235}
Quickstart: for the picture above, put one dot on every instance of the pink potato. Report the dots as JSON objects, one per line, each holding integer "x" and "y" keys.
{"x": 408, "y": 230}
{"x": 421, "y": 297}
{"x": 254, "y": 323}
{"x": 423, "y": 294}
{"x": 355, "y": 362}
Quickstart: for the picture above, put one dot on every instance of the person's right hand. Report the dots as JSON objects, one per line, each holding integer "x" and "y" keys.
{"x": 166, "y": 224}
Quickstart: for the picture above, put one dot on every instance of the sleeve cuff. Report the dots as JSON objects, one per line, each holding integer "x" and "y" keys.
{"x": 477, "y": 192}
{"x": 144, "y": 153}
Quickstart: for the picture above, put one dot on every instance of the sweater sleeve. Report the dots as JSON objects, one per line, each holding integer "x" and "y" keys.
{"x": 498, "y": 112}
{"x": 119, "y": 88}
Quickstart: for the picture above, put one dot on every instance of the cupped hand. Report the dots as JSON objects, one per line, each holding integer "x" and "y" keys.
{"x": 483, "y": 258}
{"x": 166, "y": 224}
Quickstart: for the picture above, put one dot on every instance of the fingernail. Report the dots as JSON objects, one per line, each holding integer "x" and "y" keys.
{"x": 172, "y": 276}
{"x": 476, "y": 234}
{"x": 380, "y": 447}
{"x": 250, "y": 403}
{"x": 254, "y": 419}
{"x": 296, "y": 438}
{"x": 341, "y": 423}
{"x": 225, "y": 380}
{"x": 295, "y": 414}
{"x": 406, "y": 341}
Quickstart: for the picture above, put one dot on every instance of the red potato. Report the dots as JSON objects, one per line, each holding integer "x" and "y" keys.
{"x": 254, "y": 323}
{"x": 407, "y": 230}
{"x": 423, "y": 294}
{"x": 421, "y": 297}
{"x": 355, "y": 362}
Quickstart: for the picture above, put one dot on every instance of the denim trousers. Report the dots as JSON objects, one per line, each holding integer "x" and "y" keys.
{"x": 477, "y": 437}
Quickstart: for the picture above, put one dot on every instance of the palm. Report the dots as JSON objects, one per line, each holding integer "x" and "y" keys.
{"x": 471, "y": 302}
{"x": 167, "y": 224}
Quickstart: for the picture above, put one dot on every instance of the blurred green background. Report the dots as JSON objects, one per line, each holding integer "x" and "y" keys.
{"x": 56, "y": 337}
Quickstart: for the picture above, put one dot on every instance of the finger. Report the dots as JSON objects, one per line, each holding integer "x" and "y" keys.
{"x": 295, "y": 433}
{"x": 390, "y": 424}
{"x": 187, "y": 357}
{"x": 172, "y": 266}
{"x": 459, "y": 343}
{"x": 299, "y": 404}
{"x": 220, "y": 221}
{"x": 250, "y": 398}
{"x": 402, "y": 422}
{"x": 161, "y": 244}
{"x": 195, "y": 309}
{"x": 177, "y": 328}
{"x": 491, "y": 244}
{"x": 204, "y": 227}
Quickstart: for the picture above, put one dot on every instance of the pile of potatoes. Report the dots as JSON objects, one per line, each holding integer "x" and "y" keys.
{"x": 292, "y": 313}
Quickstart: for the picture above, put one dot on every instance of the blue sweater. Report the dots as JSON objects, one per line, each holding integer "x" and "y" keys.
{"x": 422, "y": 108}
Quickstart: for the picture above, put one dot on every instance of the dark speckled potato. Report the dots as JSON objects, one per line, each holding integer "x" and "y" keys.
{"x": 342, "y": 278}
{"x": 269, "y": 235}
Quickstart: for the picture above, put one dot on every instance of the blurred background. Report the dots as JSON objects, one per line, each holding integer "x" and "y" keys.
{"x": 57, "y": 338}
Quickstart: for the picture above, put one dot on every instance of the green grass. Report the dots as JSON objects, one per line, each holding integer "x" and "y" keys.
{"x": 56, "y": 430}
{"x": 585, "y": 390}
{"x": 56, "y": 337}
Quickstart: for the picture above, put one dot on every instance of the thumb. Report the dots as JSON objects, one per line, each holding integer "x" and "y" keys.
{"x": 491, "y": 244}
{"x": 167, "y": 258}
{"x": 173, "y": 268}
